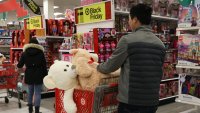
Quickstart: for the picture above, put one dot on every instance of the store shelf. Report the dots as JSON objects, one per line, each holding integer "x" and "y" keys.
{"x": 17, "y": 48}
{"x": 188, "y": 67}
{"x": 67, "y": 51}
{"x": 171, "y": 50}
{"x": 64, "y": 51}
{"x": 164, "y": 17}
{"x": 4, "y": 46}
{"x": 171, "y": 79}
{"x": 168, "y": 97}
{"x": 5, "y": 37}
{"x": 188, "y": 29}
{"x": 153, "y": 16}
{"x": 58, "y": 37}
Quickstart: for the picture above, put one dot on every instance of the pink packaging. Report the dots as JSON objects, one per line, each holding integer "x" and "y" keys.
{"x": 113, "y": 46}
{"x": 101, "y": 47}
{"x": 107, "y": 45}
{"x": 67, "y": 57}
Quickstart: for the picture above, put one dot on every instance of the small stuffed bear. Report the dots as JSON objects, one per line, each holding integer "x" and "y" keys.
{"x": 88, "y": 76}
{"x": 2, "y": 58}
{"x": 63, "y": 75}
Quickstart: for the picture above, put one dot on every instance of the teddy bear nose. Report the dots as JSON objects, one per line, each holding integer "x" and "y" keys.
{"x": 73, "y": 67}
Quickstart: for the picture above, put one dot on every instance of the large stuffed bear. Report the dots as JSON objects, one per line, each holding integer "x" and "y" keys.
{"x": 63, "y": 75}
{"x": 88, "y": 76}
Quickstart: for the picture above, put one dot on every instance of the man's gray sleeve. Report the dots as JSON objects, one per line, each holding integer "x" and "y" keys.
{"x": 117, "y": 58}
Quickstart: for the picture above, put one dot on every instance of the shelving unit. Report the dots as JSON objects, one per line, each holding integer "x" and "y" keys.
{"x": 153, "y": 16}
{"x": 170, "y": 79}
{"x": 5, "y": 37}
{"x": 168, "y": 97}
{"x": 4, "y": 46}
{"x": 16, "y": 48}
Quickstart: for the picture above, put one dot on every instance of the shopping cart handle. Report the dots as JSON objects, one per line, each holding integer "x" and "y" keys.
{"x": 113, "y": 84}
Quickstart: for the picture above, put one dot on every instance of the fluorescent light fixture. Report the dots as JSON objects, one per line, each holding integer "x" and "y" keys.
{"x": 55, "y": 7}
{"x": 58, "y": 13}
{"x": 1, "y": 0}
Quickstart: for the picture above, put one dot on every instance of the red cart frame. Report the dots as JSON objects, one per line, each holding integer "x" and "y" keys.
{"x": 103, "y": 100}
{"x": 8, "y": 80}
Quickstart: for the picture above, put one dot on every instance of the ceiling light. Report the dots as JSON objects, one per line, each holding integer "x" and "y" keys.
{"x": 55, "y": 7}
{"x": 1, "y": 0}
{"x": 58, "y": 13}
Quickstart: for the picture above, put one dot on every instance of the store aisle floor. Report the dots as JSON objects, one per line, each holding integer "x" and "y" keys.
{"x": 47, "y": 106}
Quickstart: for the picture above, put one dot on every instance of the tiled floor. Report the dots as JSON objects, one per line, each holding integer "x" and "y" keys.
{"x": 47, "y": 106}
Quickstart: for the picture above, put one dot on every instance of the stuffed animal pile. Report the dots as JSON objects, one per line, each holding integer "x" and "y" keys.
{"x": 81, "y": 73}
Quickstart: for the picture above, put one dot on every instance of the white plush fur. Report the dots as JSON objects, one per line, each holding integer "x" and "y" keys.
{"x": 63, "y": 75}
{"x": 37, "y": 46}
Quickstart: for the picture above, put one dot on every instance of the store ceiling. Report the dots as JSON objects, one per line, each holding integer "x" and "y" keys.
{"x": 63, "y": 4}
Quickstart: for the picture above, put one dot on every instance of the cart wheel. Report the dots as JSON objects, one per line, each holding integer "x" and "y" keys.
{"x": 20, "y": 105}
{"x": 6, "y": 100}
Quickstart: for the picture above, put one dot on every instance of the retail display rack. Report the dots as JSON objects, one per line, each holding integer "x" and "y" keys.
{"x": 188, "y": 68}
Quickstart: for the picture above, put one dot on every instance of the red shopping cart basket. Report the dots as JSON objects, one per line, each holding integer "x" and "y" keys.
{"x": 103, "y": 100}
{"x": 8, "y": 76}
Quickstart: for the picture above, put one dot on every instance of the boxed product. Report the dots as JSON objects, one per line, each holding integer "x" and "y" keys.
{"x": 84, "y": 41}
{"x": 191, "y": 86}
{"x": 188, "y": 49}
{"x": 105, "y": 42}
{"x": 188, "y": 16}
{"x": 59, "y": 27}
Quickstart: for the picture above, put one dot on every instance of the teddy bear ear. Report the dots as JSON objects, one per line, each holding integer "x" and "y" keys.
{"x": 56, "y": 61}
{"x": 73, "y": 51}
{"x": 95, "y": 57}
{"x": 48, "y": 82}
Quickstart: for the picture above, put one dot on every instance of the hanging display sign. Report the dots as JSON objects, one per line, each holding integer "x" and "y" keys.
{"x": 93, "y": 13}
{"x": 13, "y": 5}
{"x": 33, "y": 6}
{"x": 33, "y": 23}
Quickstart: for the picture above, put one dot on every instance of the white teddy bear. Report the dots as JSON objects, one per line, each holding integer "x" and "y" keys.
{"x": 62, "y": 75}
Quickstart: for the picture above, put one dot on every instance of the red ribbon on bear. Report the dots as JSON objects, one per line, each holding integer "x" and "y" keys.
{"x": 91, "y": 61}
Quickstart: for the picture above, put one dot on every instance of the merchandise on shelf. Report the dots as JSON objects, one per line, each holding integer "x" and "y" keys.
{"x": 84, "y": 41}
{"x": 5, "y": 41}
{"x": 189, "y": 49}
{"x": 168, "y": 71}
{"x": 5, "y": 33}
{"x": 18, "y": 38}
{"x": 168, "y": 89}
{"x": 191, "y": 86}
{"x": 63, "y": 28}
{"x": 105, "y": 42}
{"x": 189, "y": 16}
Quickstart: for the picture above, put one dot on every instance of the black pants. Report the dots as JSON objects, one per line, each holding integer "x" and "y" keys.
{"x": 125, "y": 108}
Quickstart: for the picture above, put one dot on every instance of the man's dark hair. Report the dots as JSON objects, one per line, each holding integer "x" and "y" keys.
{"x": 33, "y": 41}
{"x": 142, "y": 12}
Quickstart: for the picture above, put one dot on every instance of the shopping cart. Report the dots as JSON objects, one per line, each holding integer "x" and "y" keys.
{"x": 8, "y": 81}
{"x": 102, "y": 100}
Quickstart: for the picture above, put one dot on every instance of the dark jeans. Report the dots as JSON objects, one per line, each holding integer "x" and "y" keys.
{"x": 125, "y": 108}
{"x": 36, "y": 91}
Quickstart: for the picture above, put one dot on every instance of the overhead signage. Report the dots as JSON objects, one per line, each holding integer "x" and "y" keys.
{"x": 33, "y": 6}
{"x": 34, "y": 23}
{"x": 93, "y": 13}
